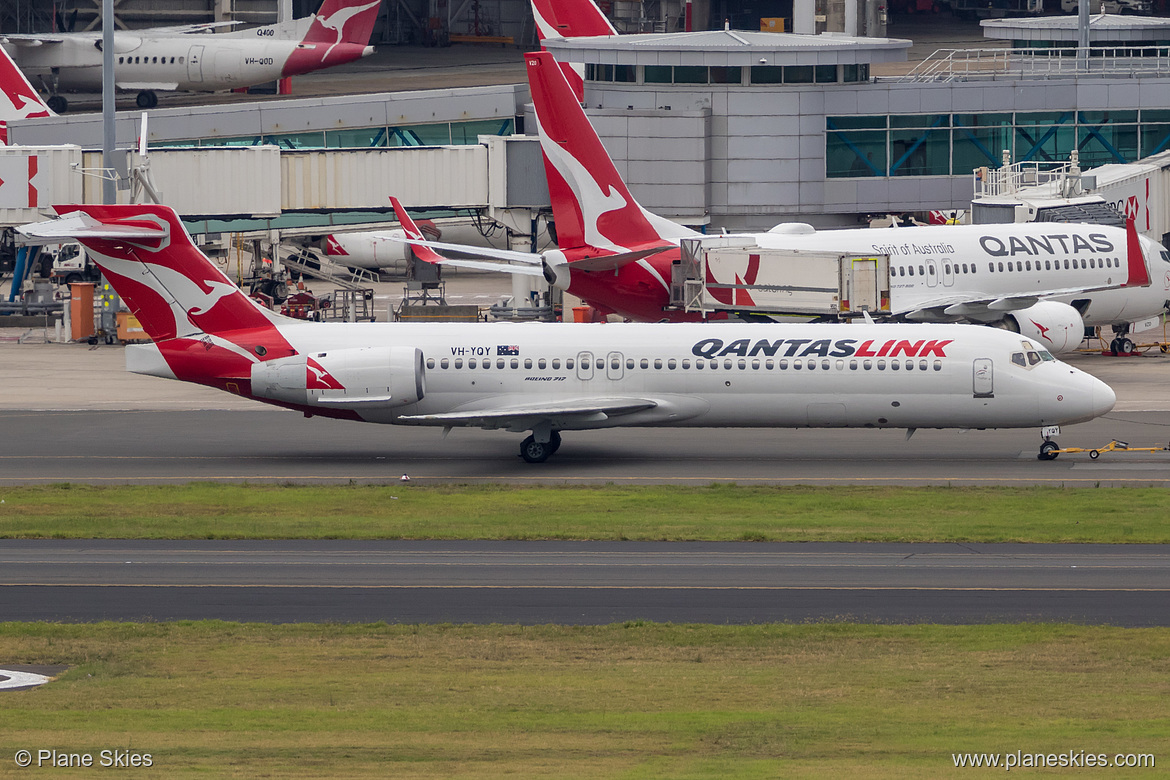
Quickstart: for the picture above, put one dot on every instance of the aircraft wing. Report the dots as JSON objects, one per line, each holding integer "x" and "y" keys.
{"x": 951, "y": 306}
{"x": 521, "y": 418}
{"x": 164, "y": 86}
{"x": 499, "y": 254}
{"x": 487, "y": 265}
{"x": 32, "y": 39}
{"x": 192, "y": 28}
{"x": 613, "y": 262}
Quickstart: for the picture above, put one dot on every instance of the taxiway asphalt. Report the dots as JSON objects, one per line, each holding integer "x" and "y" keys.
{"x": 583, "y": 582}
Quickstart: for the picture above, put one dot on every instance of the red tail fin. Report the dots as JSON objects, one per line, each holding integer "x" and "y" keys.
{"x": 569, "y": 19}
{"x": 421, "y": 251}
{"x": 1139, "y": 276}
{"x": 340, "y": 33}
{"x": 18, "y": 99}
{"x": 173, "y": 288}
{"x": 591, "y": 204}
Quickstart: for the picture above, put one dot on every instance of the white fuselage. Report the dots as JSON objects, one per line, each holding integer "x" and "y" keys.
{"x": 705, "y": 375}
{"x": 372, "y": 249}
{"x": 933, "y": 265}
{"x": 182, "y": 62}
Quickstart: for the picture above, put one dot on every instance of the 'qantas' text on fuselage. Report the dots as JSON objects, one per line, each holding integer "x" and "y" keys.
{"x": 709, "y": 348}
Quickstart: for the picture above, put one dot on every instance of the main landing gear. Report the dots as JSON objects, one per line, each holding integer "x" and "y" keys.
{"x": 534, "y": 451}
{"x": 146, "y": 99}
{"x": 1121, "y": 346}
{"x": 57, "y": 104}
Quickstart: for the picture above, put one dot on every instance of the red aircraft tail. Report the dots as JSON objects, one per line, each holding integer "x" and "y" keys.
{"x": 570, "y": 19}
{"x": 591, "y": 204}
{"x": 18, "y": 99}
{"x": 173, "y": 289}
{"x": 421, "y": 251}
{"x": 340, "y": 33}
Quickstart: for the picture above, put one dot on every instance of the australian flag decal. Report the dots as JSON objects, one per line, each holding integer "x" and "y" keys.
{"x": 508, "y": 350}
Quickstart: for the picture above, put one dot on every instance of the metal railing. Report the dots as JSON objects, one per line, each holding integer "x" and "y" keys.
{"x": 972, "y": 64}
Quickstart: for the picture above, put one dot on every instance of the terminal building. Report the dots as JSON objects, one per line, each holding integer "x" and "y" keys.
{"x": 742, "y": 130}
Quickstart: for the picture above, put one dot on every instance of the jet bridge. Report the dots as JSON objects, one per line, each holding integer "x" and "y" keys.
{"x": 733, "y": 274}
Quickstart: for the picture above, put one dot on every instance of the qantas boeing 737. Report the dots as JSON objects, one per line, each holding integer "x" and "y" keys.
{"x": 549, "y": 378}
{"x": 171, "y": 58}
{"x": 1044, "y": 280}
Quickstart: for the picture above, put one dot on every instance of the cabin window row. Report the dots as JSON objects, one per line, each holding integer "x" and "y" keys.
{"x": 1049, "y": 265}
{"x": 685, "y": 364}
{"x": 958, "y": 268}
{"x": 146, "y": 61}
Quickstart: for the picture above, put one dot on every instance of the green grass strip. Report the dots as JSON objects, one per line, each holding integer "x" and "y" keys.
{"x": 634, "y": 700}
{"x": 717, "y": 512}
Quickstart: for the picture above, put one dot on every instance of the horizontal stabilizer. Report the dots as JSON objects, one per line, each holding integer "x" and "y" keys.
{"x": 81, "y": 225}
{"x": 613, "y": 262}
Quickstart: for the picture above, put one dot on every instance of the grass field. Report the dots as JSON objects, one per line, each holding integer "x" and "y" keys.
{"x": 635, "y": 700}
{"x": 718, "y": 512}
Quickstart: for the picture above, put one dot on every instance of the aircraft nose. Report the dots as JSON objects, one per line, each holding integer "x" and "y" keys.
{"x": 1103, "y": 398}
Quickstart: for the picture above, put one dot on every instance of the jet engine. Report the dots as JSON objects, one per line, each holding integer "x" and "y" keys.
{"x": 344, "y": 378}
{"x": 1057, "y": 326}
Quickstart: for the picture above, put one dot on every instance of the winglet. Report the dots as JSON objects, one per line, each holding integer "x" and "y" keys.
{"x": 1138, "y": 275}
{"x": 421, "y": 251}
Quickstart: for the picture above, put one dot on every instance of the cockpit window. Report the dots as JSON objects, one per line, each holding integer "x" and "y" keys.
{"x": 1046, "y": 355}
{"x": 1018, "y": 359}
{"x": 1033, "y": 358}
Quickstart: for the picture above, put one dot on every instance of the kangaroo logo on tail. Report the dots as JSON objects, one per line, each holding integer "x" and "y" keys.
{"x": 591, "y": 204}
{"x": 340, "y": 33}
{"x": 18, "y": 99}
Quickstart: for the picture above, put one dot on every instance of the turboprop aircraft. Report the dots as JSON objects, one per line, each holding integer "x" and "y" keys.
{"x": 172, "y": 58}
{"x": 1046, "y": 281}
{"x": 549, "y": 378}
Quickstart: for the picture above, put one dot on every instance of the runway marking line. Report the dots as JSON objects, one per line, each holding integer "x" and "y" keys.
{"x": 766, "y": 588}
{"x": 561, "y": 479}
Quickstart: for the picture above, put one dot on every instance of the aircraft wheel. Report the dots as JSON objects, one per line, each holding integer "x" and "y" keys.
{"x": 146, "y": 99}
{"x": 534, "y": 452}
{"x": 1113, "y": 345}
{"x": 58, "y": 104}
{"x": 554, "y": 442}
{"x": 1126, "y": 345}
{"x": 1047, "y": 451}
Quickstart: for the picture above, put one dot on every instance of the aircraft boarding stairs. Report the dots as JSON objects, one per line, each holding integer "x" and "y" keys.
{"x": 312, "y": 263}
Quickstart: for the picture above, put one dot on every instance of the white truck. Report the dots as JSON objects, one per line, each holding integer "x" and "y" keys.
{"x": 1142, "y": 7}
{"x": 72, "y": 264}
